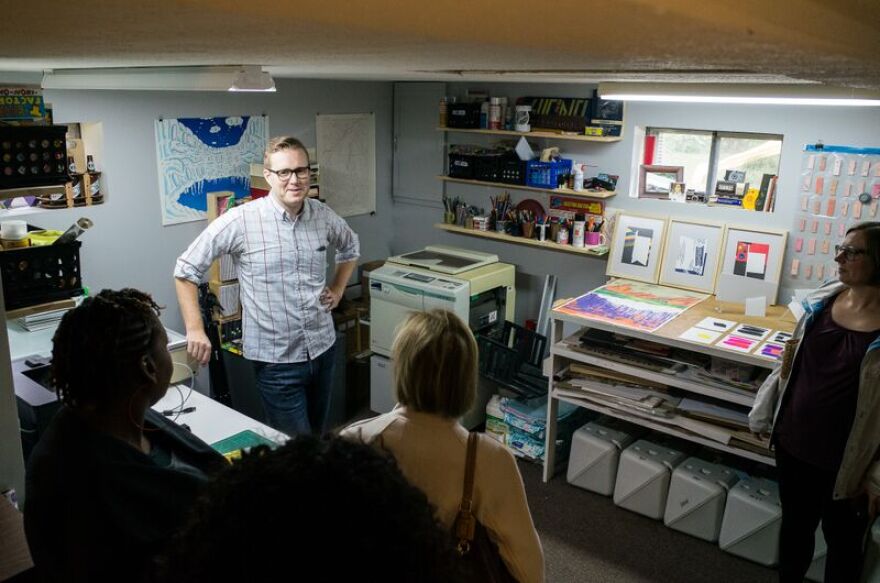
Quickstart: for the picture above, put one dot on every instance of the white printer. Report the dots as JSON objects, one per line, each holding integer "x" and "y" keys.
{"x": 473, "y": 285}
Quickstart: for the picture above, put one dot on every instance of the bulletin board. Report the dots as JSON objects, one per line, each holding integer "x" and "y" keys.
{"x": 838, "y": 187}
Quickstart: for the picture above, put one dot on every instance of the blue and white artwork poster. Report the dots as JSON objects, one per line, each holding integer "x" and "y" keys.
{"x": 201, "y": 155}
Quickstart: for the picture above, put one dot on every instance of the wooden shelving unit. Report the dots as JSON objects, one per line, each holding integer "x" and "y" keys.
{"x": 564, "y": 352}
{"x": 597, "y": 251}
{"x": 562, "y": 191}
{"x": 668, "y": 430}
{"x": 548, "y": 135}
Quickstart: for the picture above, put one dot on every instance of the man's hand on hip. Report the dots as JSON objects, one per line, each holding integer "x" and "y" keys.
{"x": 330, "y": 299}
{"x": 198, "y": 346}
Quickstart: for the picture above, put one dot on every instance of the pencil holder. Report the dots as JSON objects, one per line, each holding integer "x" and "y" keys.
{"x": 542, "y": 232}
{"x": 528, "y": 230}
{"x": 554, "y": 231}
{"x": 501, "y": 226}
{"x": 449, "y": 218}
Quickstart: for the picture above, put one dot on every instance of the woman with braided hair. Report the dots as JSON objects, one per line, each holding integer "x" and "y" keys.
{"x": 111, "y": 479}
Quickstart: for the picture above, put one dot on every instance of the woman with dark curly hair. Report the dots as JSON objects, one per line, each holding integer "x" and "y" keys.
{"x": 286, "y": 511}
{"x": 110, "y": 480}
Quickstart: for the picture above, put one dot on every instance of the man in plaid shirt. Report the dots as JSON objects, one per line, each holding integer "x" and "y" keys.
{"x": 279, "y": 244}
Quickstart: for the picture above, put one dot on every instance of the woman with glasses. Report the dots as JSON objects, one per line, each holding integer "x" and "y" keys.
{"x": 823, "y": 407}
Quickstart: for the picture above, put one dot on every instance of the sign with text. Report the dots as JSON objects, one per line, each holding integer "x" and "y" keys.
{"x": 21, "y": 103}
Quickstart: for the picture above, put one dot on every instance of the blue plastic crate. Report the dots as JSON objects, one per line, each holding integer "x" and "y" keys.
{"x": 546, "y": 174}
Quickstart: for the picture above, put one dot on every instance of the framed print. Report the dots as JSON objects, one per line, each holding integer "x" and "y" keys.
{"x": 751, "y": 264}
{"x": 637, "y": 247}
{"x": 656, "y": 181}
{"x": 691, "y": 255}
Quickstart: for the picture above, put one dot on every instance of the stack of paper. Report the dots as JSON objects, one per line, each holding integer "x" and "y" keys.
{"x": 43, "y": 320}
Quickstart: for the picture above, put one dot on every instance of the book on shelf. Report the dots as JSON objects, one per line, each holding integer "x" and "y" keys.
{"x": 770, "y": 203}
{"x": 724, "y": 200}
{"x": 763, "y": 191}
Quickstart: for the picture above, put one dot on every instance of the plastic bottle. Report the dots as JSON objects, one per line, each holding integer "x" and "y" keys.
{"x": 484, "y": 115}
{"x": 443, "y": 110}
{"x": 495, "y": 113}
{"x": 577, "y": 232}
{"x": 521, "y": 123}
{"x": 578, "y": 178}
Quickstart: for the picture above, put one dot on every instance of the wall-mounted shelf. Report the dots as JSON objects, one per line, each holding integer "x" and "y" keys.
{"x": 562, "y": 191}
{"x": 548, "y": 135}
{"x": 31, "y": 191}
{"x": 595, "y": 251}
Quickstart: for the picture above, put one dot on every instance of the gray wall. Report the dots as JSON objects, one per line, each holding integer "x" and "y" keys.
{"x": 798, "y": 125}
{"x": 128, "y": 246}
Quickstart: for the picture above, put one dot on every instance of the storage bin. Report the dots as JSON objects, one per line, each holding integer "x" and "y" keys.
{"x": 751, "y": 523}
{"x": 697, "y": 497}
{"x": 36, "y": 275}
{"x": 512, "y": 171}
{"x": 595, "y": 453}
{"x": 464, "y": 115}
{"x": 488, "y": 167}
{"x": 643, "y": 477}
{"x": 33, "y": 156}
{"x": 461, "y": 165}
{"x": 546, "y": 174}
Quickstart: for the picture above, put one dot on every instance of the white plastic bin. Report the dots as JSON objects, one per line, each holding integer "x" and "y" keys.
{"x": 752, "y": 519}
{"x": 595, "y": 453}
{"x": 643, "y": 477}
{"x": 697, "y": 496}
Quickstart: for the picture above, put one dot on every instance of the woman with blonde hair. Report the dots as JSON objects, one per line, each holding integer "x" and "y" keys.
{"x": 435, "y": 378}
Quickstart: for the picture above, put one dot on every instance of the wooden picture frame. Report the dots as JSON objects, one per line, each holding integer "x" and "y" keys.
{"x": 652, "y": 177}
{"x": 751, "y": 263}
{"x": 692, "y": 254}
{"x": 636, "y": 249}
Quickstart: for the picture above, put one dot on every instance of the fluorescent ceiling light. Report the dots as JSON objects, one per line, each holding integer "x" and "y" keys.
{"x": 739, "y": 93}
{"x": 209, "y": 78}
{"x": 252, "y": 79}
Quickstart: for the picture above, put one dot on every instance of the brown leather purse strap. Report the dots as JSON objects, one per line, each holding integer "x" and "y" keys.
{"x": 467, "y": 492}
{"x": 465, "y": 523}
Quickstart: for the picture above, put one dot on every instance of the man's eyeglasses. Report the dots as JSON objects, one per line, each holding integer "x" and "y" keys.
{"x": 849, "y": 253}
{"x": 285, "y": 173}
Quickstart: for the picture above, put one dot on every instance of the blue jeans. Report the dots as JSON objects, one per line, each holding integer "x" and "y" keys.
{"x": 296, "y": 395}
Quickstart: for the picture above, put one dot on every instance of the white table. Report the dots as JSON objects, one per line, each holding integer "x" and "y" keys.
{"x": 213, "y": 421}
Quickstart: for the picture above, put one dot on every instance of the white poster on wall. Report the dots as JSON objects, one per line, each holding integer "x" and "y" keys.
{"x": 347, "y": 159}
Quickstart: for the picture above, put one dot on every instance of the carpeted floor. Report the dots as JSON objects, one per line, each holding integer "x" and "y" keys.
{"x": 587, "y": 538}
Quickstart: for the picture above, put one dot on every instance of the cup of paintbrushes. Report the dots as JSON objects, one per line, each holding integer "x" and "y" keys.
{"x": 528, "y": 229}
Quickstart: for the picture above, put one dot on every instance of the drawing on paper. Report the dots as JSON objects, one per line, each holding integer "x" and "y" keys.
{"x": 347, "y": 155}
{"x": 751, "y": 259}
{"x": 692, "y": 254}
{"x": 201, "y": 155}
{"x": 634, "y": 305}
{"x": 637, "y": 246}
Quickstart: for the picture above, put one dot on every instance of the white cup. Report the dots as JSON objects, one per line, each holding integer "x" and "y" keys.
{"x": 13, "y": 230}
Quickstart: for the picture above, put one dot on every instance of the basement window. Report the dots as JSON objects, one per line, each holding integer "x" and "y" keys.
{"x": 710, "y": 157}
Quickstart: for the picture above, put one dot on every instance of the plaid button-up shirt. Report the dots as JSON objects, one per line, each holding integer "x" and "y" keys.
{"x": 282, "y": 268}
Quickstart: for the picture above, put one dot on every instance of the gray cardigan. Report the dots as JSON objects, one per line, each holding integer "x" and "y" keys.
{"x": 861, "y": 458}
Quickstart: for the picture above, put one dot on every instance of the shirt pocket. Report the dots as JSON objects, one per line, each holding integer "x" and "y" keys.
{"x": 316, "y": 261}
